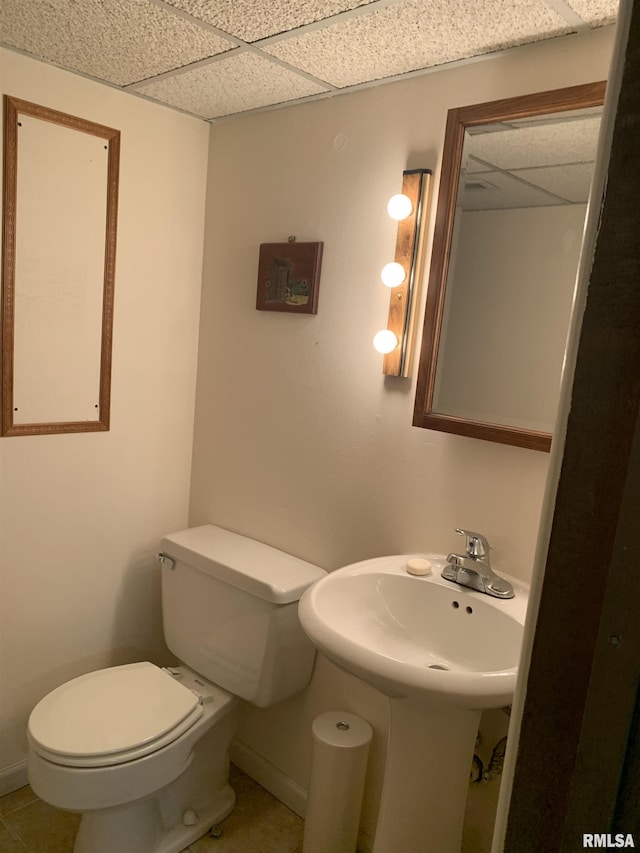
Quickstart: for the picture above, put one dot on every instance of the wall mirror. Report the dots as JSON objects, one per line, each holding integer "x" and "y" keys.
{"x": 514, "y": 187}
{"x": 59, "y": 239}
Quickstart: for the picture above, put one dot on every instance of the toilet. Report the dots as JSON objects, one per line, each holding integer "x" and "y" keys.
{"x": 142, "y": 751}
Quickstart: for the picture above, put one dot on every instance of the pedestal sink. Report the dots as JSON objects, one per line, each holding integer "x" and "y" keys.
{"x": 441, "y": 653}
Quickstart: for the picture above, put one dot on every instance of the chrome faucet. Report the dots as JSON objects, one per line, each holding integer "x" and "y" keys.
{"x": 473, "y": 569}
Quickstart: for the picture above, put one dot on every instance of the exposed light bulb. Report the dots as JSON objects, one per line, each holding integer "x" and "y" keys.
{"x": 385, "y": 341}
{"x": 399, "y": 206}
{"x": 393, "y": 274}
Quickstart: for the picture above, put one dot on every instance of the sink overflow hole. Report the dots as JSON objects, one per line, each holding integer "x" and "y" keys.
{"x": 469, "y": 609}
{"x": 439, "y": 666}
{"x": 455, "y": 604}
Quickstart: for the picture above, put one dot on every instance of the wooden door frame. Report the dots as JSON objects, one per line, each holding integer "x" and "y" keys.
{"x": 578, "y": 756}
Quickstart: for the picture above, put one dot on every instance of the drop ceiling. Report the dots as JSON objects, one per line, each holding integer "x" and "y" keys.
{"x": 214, "y": 58}
{"x": 535, "y": 162}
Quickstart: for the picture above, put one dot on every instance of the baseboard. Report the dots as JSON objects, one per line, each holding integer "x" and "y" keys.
{"x": 13, "y": 777}
{"x": 270, "y": 777}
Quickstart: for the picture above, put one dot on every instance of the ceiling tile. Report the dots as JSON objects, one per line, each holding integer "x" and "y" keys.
{"x": 527, "y": 145}
{"x": 251, "y": 20}
{"x": 572, "y": 182}
{"x": 499, "y": 191}
{"x": 242, "y": 81}
{"x": 120, "y": 41}
{"x": 597, "y": 13}
{"x": 416, "y": 34}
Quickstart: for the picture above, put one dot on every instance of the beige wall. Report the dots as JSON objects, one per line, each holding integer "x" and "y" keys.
{"x": 81, "y": 515}
{"x": 299, "y": 440}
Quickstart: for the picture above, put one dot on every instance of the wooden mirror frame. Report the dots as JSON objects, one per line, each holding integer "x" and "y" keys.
{"x": 458, "y": 120}
{"x": 13, "y": 108}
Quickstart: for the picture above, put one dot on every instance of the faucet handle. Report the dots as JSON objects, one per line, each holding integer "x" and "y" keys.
{"x": 477, "y": 546}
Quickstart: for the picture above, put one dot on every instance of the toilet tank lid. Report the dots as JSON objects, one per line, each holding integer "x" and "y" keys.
{"x": 252, "y": 566}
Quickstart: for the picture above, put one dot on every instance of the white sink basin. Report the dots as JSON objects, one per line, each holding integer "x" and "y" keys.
{"x": 408, "y": 635}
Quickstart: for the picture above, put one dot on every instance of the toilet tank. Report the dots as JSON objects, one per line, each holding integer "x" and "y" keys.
{"x": 230, "y": 611}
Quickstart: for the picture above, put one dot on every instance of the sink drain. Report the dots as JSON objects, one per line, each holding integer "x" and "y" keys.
{"x": 439, "y": 666}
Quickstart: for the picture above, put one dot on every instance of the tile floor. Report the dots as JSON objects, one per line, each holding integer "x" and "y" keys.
{"x": 258, "y": 824}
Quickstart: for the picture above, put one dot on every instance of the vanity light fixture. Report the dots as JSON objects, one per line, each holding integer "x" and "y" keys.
{"x": 403, "y": 274}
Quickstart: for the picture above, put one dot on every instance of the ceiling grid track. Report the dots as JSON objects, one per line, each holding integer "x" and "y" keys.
{"x": 571, "y": 17}
{"x": 256, "y": 46}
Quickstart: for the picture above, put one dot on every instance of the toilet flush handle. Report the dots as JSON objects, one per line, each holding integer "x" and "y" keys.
{"x": 167, "y": 561}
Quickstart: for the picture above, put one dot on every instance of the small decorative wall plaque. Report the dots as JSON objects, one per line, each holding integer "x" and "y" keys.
{"x": 289, "y": 277}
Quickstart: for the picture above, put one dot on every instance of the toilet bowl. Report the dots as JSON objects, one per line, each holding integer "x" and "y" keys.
{"x": 150, "y": 762}
{"x": 142, "y": 751}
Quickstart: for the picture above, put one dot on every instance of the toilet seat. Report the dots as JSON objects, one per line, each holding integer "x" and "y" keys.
{"x": 112, "y": 716}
